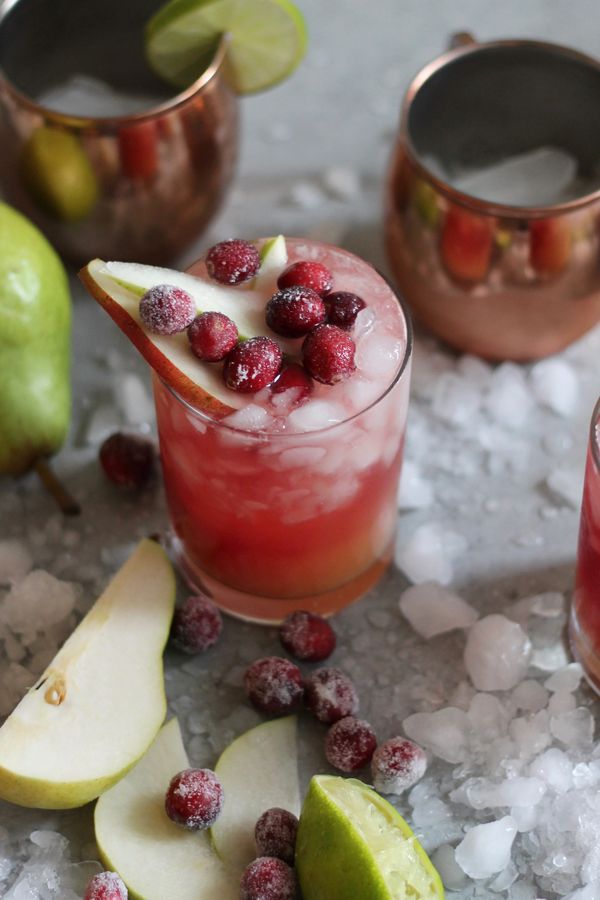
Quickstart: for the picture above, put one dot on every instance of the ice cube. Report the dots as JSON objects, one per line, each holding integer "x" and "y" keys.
{"x": 83, "y": 95}
{"x": 561, "y": 702}
{"x": 531, "y": 733}
{"x": 342, "y": 182}
{"x": 432, "y": 609}
{"x": 415, "y": 492}
{"x": 554, "y": 768}
{"x": 486, "y": 848}
{"x": 566, "y": 679}
{"x": 455, "y": 400}
{"x": 428, "y": 554}
{"x": 568, "y": 484}
{"x": 15, "y": 561}
{"x": 37, "y": 602}
{"x": 497, "y": 653}
{"x": 555, "y": 384}
{"x": 488, "y": 716}
{"x": 574, "y": 728}
{"x": 453, "y": 877}
{"x": 363, "y": 323}
{"x": 530, "y": 696}
{"x": 475, "y": 370}
{"x": 509, "y": 400}
{"x": 249, "y": 418}
{"x": 520, "y": 791}
{"x": 444, "y": 732}
{"x": 378, "y": 356}
{"x": 316, "y": 414}
{"x": 590, "y": 891}
{"x": 430, "y": 812}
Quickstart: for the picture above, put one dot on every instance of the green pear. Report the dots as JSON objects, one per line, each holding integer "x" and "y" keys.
{"x": 58, "y": 174}
{"x": 35, "y": 327}
{"x": 101, "y": 701}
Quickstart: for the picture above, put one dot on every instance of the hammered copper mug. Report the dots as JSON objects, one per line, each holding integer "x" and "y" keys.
{"x": 502, "y": 281}
{"x": 138, "y": 186}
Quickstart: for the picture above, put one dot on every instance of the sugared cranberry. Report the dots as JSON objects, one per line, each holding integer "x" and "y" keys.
{"x": 212, "y": 335}
{"x": 232, "y": 262}
{"x": 296, "y": 378}
{"x": 194, "y": 799}
{"x": 330, "y": 695}
{"x": 197, "y": 625}
{"x": 307, "y": 274}
{"x": 106, "y": 886}
{"x": 268, "y": 878}
{"x": 275, "y": 834}
{"x": 328, "y": 354}
{"x": 397, "y": 765}
{"x": 307, "y": 636}
{"x": 274, "y": 685}
{"x": 343, "y": 308}
{"x": 293, "y": 311}
{"x": 127, "y": 459}
{"x": 166, "y": 309}
{"x": 252, "y": 365}
{"x": 350, "y": 744}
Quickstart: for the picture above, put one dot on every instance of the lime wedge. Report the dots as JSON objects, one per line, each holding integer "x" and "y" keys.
{"x": 267, "y": 40}
{"x": 353, "y": 845}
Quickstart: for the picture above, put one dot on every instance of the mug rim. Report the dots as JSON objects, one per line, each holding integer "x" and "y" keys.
{"x": 462, "y": 198}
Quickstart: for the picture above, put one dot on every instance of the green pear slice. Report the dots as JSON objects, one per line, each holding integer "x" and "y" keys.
{"x": 101, "y": 701}
{"x": 258, "y": 770}
{"x": 157, "y": 859}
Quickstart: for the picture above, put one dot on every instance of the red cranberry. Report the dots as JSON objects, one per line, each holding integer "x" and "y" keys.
{"x": 252, "y": 365}
{"x": 293, "y": 311}
{"x": 274, "y": 685}
{"x": 350, "y": 744}
{"x": 106, "y": 886}
{"x": 307, "y": 636}
{"x": 330, "y": 695}
{"x": 268, "y": 879}
{"x": 166, "y": 309}
{"x": 343, "y": 308}
{"x": 197, "y": 625}
{"x": 127, "y": 459}
{"x": 275, "y": 834}
{"x": 212, "y": 335}
{"x": 307, "y": 274}
{"x": 232, "y": 262}
{"x": 397, "y": 765}
{"x": 296, "y": 378}
{"x": 328, "y": 354}
{"x": 194, "y": 799}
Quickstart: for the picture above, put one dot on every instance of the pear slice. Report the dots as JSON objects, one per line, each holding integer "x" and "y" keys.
{"x": 101, "y": 701}
{"x": 258, "y": 770}
{"x": 157, "y": 859}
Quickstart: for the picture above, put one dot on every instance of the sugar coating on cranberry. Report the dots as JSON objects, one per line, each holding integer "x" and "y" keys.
{"x": 166, "y": 309}
{"x": 232, "y": 262}
{"x": 252, "y": 365}
{"x": 293, "y": 311}
{"x": 330, "y": 695}
{"x": 328, "y": 354}
{"x": 343, "y": 308}
{"x": 127, "y": 459}
{"x": 274, "y": 685}
{"x": 350, "y": 744}
{"x": 268, "y": 878}
{"x": 397, "y": 765}
{"x": 293, "y": 378}
{"x": 307, "y": 274}
{"x": 307, "y": 636}
{"x": 212, "y": 335}
{"x": 106, "y": 886}
{"x": 197, "y": 624}
{"x": 194, "y": 799}
{"x": 275, "y": 834}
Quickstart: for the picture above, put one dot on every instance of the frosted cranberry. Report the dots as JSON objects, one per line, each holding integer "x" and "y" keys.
{"x": 296, "y": 378}
{"x": 328, "y": 354}
{"x": 268, "y": 879}
{"x": 232, "y": 262}
{"x": 197, "y": 625}
{"x": 166, "y": 309}
{"x": 293, "y": 311}
{"x": 252, "y": 365}
{"x": 343, "y": 308}
{"x": 275, "y": 834}
{"x": 350, "y": 744}
{"x": 307, "y": 636}
{"x": 274, "y": 685}
{"x": 307, "y": 274}
{"x": 127, "y": 459}
{"x": 212, "y": 335}
{"x": 106, "y": 886}
{"x": 194, "y": 799}
{"x": 397, "y": 765}
{"x": 330, "y": 695}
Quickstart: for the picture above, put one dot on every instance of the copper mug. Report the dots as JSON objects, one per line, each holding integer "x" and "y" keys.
{"x": 501, "y": 280}
{"x": 139, "y": 186}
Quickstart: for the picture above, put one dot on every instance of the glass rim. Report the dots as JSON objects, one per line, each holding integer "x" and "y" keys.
{"x": 593, "y": 434}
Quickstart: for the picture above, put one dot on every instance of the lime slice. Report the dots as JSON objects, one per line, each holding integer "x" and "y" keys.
{"x": 353, "y": 845}
{"x": 267, "y": 40}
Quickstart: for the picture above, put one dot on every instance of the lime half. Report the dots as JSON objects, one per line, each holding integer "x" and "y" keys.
{"x": 353, "y": 845}
{"x": 267, "y": 40}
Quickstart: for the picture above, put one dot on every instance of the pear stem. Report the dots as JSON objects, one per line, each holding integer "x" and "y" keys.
{"x": 67, "y": 504}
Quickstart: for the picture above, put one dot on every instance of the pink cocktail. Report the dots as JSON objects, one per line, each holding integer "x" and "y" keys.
{"x": 283, "y": 506}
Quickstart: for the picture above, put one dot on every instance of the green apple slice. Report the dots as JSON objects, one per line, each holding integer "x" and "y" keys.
{"x": 101, "y": 701}
{"x": 258, "y": 770}
{"x": 157, "y": 859}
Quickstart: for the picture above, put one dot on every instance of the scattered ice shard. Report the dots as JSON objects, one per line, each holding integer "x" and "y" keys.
{"x": 509, "y": 400}
{"x": 15, "y": 561}
{"x": 568, "y": 484}
{"x": 555, "y": 384}
{"x": 82, "y": 95}
{"x": 566, "y": 679}
{"x": 497, "y": 653}
{"x": 432, "y": 609}
{"x": 455, "y": 400}
{"x": 415, "y": 492}
{"x": 485, "y": 849}
{"x": 554, "y": 767}
{"x": 428, "y": 554}
{"x": 444, "y": 732}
